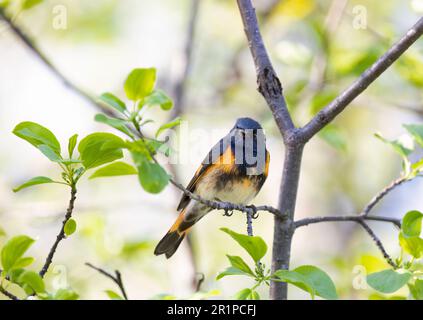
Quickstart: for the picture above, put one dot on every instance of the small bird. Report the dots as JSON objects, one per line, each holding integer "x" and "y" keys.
{"x": 234, "y": 171}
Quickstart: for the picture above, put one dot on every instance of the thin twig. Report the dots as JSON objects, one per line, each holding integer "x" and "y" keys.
{"x": 117, "y": 278}
{"x": 61, "y": 234}
{"x": 327, "y": 114}
{"x": 11, "y": 296}
{"x": 227, "y": 206}
{"x": 383, "y": 193}
{"x": 378, "y": 243}
{"x": 355, "y": 218}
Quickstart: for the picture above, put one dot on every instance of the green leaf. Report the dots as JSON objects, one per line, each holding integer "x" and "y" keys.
{"x": 113, "y": 295}
{"x": 28, "y": 4}
{"x": 255, "y": 246}
{"x": 412, "y": 223}
{"x": 37, "y": 135}
{"x": 23, "y": 262}
{"x": 388, "y": 281}
{"x": 118, "y": 124}
{"x": 13, "y": 250}
{"x": 402, "y": 146}
{"x": 416, "y": 131}
{"x": 240, "y": 264}
{"x": 169, "y": 125}
{"x": 49, "y": 153}
{"x": 319, "y": 280}
{"x": 33, "y": 280}
{"x": 411, "y": 245}
{"x": 140, "y": 83}
{"x": 33, "y": 182}
{"x": 231, "y": 271}
{"x": 158, "y": 98}
{"x": 70, "y": 227}
{"x": 243, "y": 294}
{"x": 100, "y": 148}
{"x": 66, "y": 294}
{"x": 114, "y": 169}
{"x": 295, "y": 279}
{"x": 416, "y": 289}
{"x": 72, "y": 144}
{"x": 153, "y": 178}
{"x": 113, "y": 101}
{"x": 255, "y": 295}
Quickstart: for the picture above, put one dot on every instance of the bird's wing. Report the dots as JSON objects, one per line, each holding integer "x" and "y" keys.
{"x": 216, "y": 152}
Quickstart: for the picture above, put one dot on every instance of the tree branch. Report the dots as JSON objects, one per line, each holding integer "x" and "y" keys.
{"x": 268, "y": 82}
{"x": 326, "y": 115}
{"x": 11, "y": 296}
{"x": 117, "y": 278}
{"x": 61, "y": 234}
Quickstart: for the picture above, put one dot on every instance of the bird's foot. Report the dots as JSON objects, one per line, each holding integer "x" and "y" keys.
{"x": 255, "y": 214}
{"x": 228, "y": 213}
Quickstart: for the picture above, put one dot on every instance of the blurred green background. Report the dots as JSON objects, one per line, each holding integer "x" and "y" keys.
{"x": 317, "y": 51}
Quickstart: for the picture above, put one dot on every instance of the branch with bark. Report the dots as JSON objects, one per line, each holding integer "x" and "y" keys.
{"x": 61, "y": 234}
{"x": 295, "y": 139}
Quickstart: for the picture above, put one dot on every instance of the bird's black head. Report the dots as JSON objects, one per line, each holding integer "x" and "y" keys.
{"x": 247, "y": 123}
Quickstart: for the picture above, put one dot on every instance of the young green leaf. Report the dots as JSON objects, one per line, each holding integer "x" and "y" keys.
{"x": 153, "y": 178}
{"x": 23, "y": 262}
{"x": 49, "y": 153}
{"x": 403, "y": 146}
{"x": 118, "y": 124}
{"x": 412, "y": 223}
{"x": 295, "y": 279}
{"x": 72, "y": 144}
{"x": 113, "y": 295}
{"x": 13, "y": 251}
{"x": 113, "y": 101}
{"x": 319, "y": 280}
{"x": 388, "y": 281}
{"x": 33, "y": 280}
{"x": 416, "y": 130}
{"x": 100, "y": 148}
{"x": 232, "y": 271}
{"x": 70, "y": 227}
{"x": 240, "y": 264}
{"x": 158, "y": 98}
{"x": 114, "y": 169}
{"x": 255, "y": 246}
{"x": 140, "y": 83}
{"x": 243, "y": 294}
{"x": 37, "y": 135}
{"x": 254, "y": 295}
{"x": 65, "y": 294}
{"x": 416, "y": 289}
{"x": 33, "y": 182}
{"x": 411, "y": 245}
{"x": 175, "y": 122}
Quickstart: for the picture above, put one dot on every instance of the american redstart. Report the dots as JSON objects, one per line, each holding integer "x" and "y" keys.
{"x": 233, "y": 171}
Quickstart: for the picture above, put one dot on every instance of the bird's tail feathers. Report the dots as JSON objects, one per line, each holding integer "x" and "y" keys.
{"x": 173, "y": 238}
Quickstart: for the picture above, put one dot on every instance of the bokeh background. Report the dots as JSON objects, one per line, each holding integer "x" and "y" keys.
{"x": 318, "y": 47}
